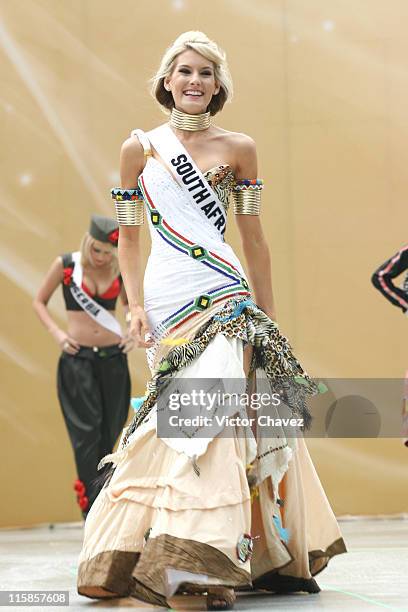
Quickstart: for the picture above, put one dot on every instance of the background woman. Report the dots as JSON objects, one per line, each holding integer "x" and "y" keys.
{"x": 179, "y": 514}
{"x": 93, "y": 376}
{"x": 382, "y": 280}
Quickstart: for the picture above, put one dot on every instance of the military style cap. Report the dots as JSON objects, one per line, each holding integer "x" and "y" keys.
{"x": 104, "y": 229}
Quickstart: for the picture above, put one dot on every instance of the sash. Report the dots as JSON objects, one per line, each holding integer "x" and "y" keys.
{"x": 88, "y": 305}
{"x": 188, "y": 176}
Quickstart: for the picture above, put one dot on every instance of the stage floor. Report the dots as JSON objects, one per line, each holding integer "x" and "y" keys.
{"x": 374, "y": 574}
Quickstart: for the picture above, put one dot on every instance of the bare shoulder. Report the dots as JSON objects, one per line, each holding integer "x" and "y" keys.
{"x": 131, "y": 162}
{"x": 243, "y": 147}
{"x": 244, "y": 153}
{"x": 240, "y": 141}
{"x": 132, "y": 149}
{"x": 243, "y": 141}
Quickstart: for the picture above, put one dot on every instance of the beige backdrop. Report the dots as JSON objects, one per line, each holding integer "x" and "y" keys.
{"x": 322, "y": 85}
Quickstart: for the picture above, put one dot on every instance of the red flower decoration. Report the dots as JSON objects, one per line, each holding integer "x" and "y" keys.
{"x": 83, "y": 503}
{"x": 68, "y": 276}
{"x": 81, "y": 491}
{"x": 79, "y": 487}
{"x": 113, "y": 237}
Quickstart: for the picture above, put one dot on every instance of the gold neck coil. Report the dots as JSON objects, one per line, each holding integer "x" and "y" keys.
{"x": 190, "y": 123}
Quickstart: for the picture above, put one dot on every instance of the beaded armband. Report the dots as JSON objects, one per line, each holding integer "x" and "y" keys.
{"x": 246, "y": 195}
{"x": 129, "y": 206}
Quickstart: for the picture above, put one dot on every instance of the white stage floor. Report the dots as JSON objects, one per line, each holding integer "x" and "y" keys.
{"x": 373, "y": 575}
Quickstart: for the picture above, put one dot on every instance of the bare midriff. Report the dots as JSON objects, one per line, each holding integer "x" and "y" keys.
{"x": 87, "y": 332}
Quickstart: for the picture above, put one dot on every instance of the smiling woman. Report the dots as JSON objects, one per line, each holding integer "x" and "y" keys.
{"x": 177, "y": 514}
{"x": 202, "y": 57}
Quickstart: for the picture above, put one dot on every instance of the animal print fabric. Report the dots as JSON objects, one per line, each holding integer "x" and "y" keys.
{"x": 221, "y": 179}
{"x": 239, "y": 318}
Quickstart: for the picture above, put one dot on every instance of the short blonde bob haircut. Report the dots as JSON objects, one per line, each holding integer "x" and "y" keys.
{"x": 199, "y": 42}
{"x": 86, "y": 255}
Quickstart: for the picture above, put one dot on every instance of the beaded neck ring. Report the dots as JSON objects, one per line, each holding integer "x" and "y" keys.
{"x": 190, "y": 123}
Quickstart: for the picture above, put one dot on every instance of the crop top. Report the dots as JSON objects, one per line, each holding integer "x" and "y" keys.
{"x": 107, "y": 300}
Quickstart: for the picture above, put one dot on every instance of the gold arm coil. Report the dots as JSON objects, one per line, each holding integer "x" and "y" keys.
{"x": 247, "y": 202}
{"x": 129, "y": 212}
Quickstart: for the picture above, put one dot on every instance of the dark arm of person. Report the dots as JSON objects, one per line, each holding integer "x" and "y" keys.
{"x": 383, "y": 276}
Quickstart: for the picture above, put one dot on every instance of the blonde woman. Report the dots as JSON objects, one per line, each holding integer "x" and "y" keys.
{"x": 204, "y": 510}
{"x": 93, "y": 376}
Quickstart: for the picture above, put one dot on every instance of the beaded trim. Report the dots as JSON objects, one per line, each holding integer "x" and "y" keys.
{"x": 202, "y": 302}
{"x": 242, "y": 184}
{"x": 118, "y": 194}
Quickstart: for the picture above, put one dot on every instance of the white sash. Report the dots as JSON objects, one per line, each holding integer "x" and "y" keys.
{"x": 188, "y": 176}
{"x": 88, "y": 305}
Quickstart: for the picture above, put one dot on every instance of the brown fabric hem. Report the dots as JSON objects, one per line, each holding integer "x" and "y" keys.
{"x": 110, "y": 570}
{"x": 143, "y": 593}
{"x": 277, "y": 568}
{"x": 318, "y": 559}
{"x": 168, "y": 552}
{"x": 284, "y": 583}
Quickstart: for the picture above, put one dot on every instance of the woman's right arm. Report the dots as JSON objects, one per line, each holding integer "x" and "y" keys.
{"x": 131, "y": 165}
{"x": 382, "y": 279}
{"x": 50, "y": 283}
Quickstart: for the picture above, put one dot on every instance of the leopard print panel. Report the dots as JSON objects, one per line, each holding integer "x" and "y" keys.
{"x": 221, "y": 180}
{"x": 239, "y": 318}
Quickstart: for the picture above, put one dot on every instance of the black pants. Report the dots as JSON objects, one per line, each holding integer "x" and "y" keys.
{"x": 94, "y": 393}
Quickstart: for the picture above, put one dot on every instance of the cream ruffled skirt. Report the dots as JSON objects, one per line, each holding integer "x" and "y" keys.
{"x": 159, "y": 526}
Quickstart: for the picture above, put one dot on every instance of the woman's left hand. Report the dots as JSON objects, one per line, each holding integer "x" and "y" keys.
{"x": 127, "y": 343}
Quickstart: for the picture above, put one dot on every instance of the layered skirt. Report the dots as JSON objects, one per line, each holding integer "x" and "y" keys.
{"x": 232, "y": 510}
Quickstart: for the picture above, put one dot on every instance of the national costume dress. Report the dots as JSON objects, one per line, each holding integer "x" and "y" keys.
{"x": 234, "y": 510}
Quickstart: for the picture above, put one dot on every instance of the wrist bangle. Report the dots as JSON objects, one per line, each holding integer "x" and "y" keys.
{"x": 128, "y": 317}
